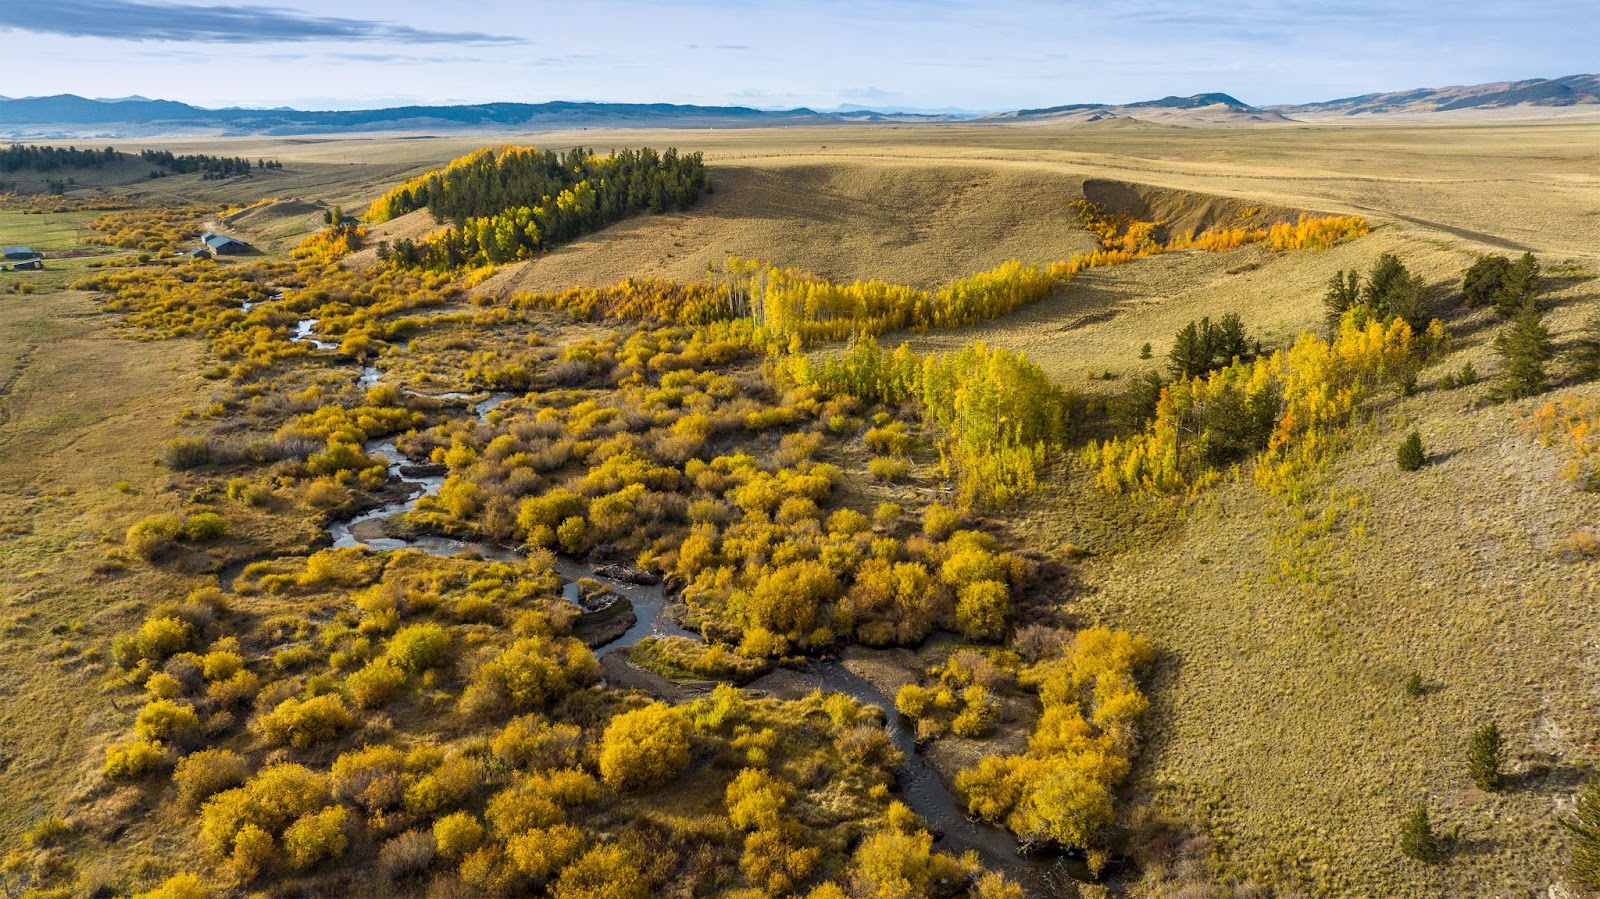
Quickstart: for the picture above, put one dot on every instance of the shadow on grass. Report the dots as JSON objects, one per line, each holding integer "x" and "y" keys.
{"x": 1466, "y": 847}
{"x": 1432, "y": 459}
{"x": 1546, "y": 774}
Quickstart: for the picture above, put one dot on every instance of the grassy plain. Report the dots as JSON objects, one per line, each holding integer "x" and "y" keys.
{"x": 1279, "y": 723}
{"x": 82, "y": 416}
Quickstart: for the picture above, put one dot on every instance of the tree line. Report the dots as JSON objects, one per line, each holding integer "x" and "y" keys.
{"x": 20, "y": 158}
{"x": 510, "y": 203}
{"x": 209, "y": 167}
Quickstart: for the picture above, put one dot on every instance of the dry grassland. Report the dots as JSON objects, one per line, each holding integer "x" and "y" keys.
{"x": 82, "y": 416}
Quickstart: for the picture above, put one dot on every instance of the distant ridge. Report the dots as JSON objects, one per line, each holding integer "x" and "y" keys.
{"x": 69, "y": 115}
{"x": 1573, "y": 90}
{"x": 1199, "y": 109}
{"x": 1198, "y": 101}
{"x": 138, "y": 115}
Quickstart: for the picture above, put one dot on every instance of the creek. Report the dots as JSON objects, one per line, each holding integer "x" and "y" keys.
{"x": 920, "y": 785}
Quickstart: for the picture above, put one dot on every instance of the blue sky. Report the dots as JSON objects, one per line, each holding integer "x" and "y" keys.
{"x": 1003, "y": 54}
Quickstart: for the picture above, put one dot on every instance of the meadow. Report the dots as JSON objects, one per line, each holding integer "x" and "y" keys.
{"x": 1263, "y": 671}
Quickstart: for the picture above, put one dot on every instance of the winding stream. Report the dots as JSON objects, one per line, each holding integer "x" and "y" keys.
{"x": 302, "y": 334}
{"x": 924, "y": 790}
{"x": 918, "y": 782}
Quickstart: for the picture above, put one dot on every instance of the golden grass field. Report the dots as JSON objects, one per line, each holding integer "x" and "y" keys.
{"x": 1279, "y": 722}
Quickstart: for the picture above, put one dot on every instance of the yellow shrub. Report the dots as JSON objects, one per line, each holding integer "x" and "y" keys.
{"x": 375, "y": 683}
{"x": 604, "y": 872}
{"x": 457, "y": 834}
{"x": 542, "y": 852}
{"x": 276, "y": 796}
{"x": 939, "y": 521}
{"x": 756, "y": 800}
{"x": 373, "y": 777}
{"x": 179, "y": 886}
{"x": 132, "y": 759}
{"x": 317, "y": 836}
{"x": 304, "y": 723}
{"x": 419, "y": 647}
{"x": 163, "y": 719}
{"x": 210, "y": 771}
{"x": 645, "y": 748}
{"x": 150, "y": 538}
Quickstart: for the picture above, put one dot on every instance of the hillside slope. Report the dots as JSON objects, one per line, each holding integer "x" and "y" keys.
{"x": 916, "y": 223}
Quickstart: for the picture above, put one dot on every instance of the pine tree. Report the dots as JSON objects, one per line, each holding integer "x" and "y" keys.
{"x": 1344, "y": 291}
{"x": 1388, "y": 276}
{"x": 1524, "y": 347}
{"x": 1480, "y": 284}
{"x": 1585, "y": 829}
{"x": 1227, "y": 341}
{"x": 1203, "y": 346}
{"x": 1409, "y": 302}
{"x": 1519, "y": 286}
{"x": 1188, "y": 356}
{"x": 1393, "y": 290}
{"x": 1484, "y": 758}
{"x": 1416, "y": 837}
{"x": 1411, "y": 455}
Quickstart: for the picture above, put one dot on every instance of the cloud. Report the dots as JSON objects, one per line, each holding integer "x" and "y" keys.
{"x": 243, "y": 24}
{"x": 378, "y": 58}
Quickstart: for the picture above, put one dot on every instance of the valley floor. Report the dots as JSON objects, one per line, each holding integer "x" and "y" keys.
{"x": 1280, "y": 726}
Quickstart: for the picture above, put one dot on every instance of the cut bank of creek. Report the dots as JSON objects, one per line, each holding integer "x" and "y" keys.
{"x": 919, "y": 784}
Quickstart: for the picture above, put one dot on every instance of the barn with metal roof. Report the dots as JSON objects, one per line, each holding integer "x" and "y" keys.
{"x": 222, "y": 245}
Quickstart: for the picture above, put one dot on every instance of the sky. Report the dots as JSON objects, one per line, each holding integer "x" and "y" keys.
{"x": 978, "y": 55}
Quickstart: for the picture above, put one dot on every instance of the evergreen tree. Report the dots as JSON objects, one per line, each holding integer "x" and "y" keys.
{"x": 1481, "y": 283}
{"x": 1204, "y": 346}
{"x": 1518, "y": 287}
{"x": 1417, "y": 840}
{"x": 1410, "y": 303}
{"x": 1134, "y": 407}
{"x": 1524, "y": 347}
{"x": 1585, "y": 829}
{"x": 1585, "y": 352}
{"x": 1228, "y": 341}
{"x": 1344, "y": 291}
{"x": 1188, "y": 356}
{"x": 1392, "y": 290}
{"x": 1411, "y": 455}
{"x": 1484, "y": 758}
{"x": 1388, "y": 276}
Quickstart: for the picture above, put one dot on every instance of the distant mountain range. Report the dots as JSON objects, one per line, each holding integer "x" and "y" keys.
{"x": 71, "y": 113}
{"x": 68, "y": 115}
{"x": 1573, "y": 90}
